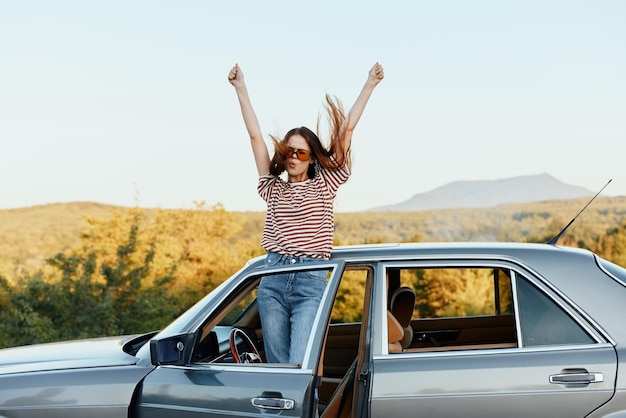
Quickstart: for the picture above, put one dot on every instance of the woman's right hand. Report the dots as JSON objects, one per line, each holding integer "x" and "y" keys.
{"x": 261, "y": 154}
{"x": 235, "y": 76}
{"x": 377, "y": 73}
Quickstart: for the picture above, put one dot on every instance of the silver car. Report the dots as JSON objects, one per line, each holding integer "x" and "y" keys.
{"x": 403, "y": 330}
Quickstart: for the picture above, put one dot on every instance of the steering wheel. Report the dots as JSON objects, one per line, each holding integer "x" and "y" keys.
{"x": 250, "y": 357}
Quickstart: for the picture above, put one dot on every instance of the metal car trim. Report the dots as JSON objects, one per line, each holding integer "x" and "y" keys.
{"x": 576, "y": 378}
{"x": 612, "y": 275}
{"x": 489, "y": 351}
{"x": 580, "y": 317}
{"x": 518, "y": 319}
{"x": 273, "y": 403}
{"x": 513, "y": 264}
{"x": 433, "y": 257}
{"x": 326, "y": 304}
{"x": 281, "y": 368}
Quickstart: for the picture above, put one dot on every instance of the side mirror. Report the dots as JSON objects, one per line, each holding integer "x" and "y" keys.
{"x": 175, "y": 350}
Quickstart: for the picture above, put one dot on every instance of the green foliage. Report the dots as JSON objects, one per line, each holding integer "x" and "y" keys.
{"x": 350, "y": 297}
{"x": 133, "y": 272}
{"x": 89, "y": 299}
{"x": 20, "y": 321}
{"x": 613, "y": 245}
{"x": 457, "y": 292}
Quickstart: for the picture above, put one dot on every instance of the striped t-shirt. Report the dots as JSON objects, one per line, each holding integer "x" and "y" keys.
{"x": 300, "y": 216}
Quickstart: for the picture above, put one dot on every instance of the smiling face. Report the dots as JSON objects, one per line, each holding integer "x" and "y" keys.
{"x": 296, "y": 168}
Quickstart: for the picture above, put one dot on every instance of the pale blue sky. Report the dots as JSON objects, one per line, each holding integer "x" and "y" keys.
{"x": 128, "y": 101}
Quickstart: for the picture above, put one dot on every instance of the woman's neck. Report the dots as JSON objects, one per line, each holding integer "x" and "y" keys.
{"x": 297, "y": 179}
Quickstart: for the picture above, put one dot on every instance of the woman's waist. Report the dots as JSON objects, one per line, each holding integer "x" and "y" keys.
{"x": 278, "y": 257}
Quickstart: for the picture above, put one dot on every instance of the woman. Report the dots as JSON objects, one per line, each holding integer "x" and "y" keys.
{"x": 300, "y": 219}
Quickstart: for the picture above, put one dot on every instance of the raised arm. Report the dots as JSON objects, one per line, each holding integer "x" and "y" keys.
{"x": 259, "y": 149}
{"x": 375, "y": 75}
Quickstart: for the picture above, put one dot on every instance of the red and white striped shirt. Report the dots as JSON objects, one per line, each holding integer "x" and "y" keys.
{"x": 300, "y": 216}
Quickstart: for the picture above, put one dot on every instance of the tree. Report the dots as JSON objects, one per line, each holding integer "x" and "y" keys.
{"x": 132, "y": 273}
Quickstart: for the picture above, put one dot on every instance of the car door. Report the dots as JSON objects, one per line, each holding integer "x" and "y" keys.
{"x": 218, "y": 388}
{"x": 566, "y": 370}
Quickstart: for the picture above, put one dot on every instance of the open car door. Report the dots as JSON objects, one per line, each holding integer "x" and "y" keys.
{"x": 206, "y": 380}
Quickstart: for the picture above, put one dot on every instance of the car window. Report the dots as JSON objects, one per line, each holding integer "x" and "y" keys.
{"x": 543, "y": 322}
{"x": 238, "y": 311}
{"x": 247, "y": 302}
{"x": 451, "y": 308}
{"x": 468, "y": 308}
{"x": 458, "y": 292}
{"x": 348, "y": 306}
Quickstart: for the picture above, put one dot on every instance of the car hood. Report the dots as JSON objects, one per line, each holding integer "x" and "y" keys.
{"x": 94, "y": 352}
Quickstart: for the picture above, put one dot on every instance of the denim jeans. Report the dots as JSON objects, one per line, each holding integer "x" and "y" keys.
{"x": 288, "y": 303}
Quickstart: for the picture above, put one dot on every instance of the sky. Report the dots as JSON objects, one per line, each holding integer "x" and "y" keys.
{"x": 128, "y": 103}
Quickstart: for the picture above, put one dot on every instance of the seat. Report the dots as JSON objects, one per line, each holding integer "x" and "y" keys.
{"x": 395, "y": 334}
{"x": 401, "y": 306}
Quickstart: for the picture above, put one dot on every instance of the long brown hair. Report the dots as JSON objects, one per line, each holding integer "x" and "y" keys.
{"x": 319, "y": 153}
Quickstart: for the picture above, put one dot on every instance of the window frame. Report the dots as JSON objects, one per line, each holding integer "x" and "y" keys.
{"x": 249, "y": 280}
{"x": 379, "y": 345}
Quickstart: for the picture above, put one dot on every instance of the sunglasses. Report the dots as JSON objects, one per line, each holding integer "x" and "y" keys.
{"x": 301, "y": 154}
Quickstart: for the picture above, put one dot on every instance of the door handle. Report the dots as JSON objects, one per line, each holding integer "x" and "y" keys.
{"x": 576, "y": 377}
{"x": 273, "y": 403}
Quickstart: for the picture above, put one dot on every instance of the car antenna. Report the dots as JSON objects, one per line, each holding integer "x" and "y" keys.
{"x": 556, "y": 238}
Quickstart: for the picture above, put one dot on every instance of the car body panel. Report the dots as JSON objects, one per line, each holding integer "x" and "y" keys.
{"x": 487, "y": 382}
{"x": 104, "y": 392}
{"x": 210, "y": 391}
{"x": 68, "y": 379}
{"x": 478, "y": 383}
{"x": 95, "y": 352}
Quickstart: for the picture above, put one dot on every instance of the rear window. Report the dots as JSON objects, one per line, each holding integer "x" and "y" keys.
{"x": 614, "y": 270}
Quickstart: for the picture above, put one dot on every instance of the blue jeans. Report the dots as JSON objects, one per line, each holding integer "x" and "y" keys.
{"x": 288, "y": 304}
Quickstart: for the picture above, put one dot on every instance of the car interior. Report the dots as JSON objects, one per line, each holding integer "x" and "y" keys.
{"x": 448, "y": 319}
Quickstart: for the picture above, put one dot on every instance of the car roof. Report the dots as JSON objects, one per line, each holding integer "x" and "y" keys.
{"x": 563, "y": 267}
{"x": 522, "y": 251}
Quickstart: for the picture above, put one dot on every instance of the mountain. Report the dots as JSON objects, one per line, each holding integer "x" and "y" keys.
{"x": 488, "y": 193}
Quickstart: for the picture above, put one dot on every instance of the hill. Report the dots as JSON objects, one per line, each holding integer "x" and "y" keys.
{"x": 489, "y": 193}
{"x": 31, "y": 234}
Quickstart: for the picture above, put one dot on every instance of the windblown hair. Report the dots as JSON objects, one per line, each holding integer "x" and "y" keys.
{"x": 319, "y": 153}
